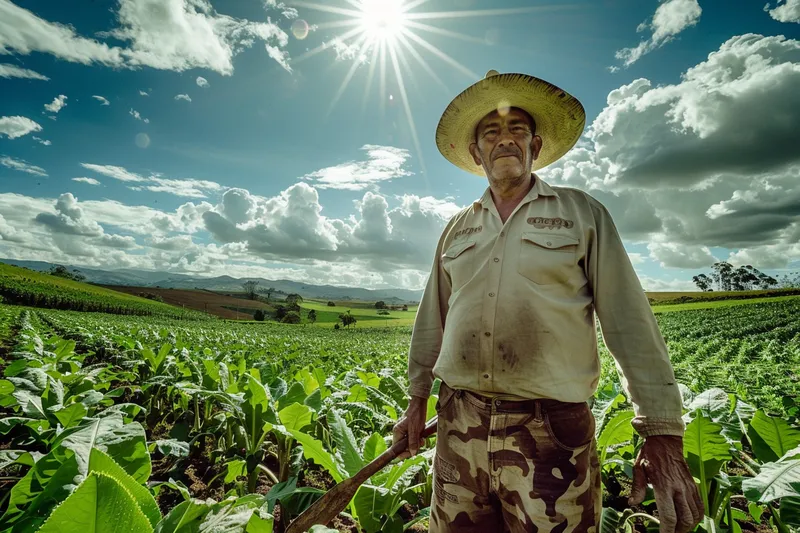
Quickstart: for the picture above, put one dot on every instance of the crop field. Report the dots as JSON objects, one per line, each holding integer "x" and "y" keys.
{"x": 187, "y": 425}
{"x": 39, "y": 289}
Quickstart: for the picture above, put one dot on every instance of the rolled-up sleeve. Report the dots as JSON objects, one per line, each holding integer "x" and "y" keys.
{"x": 426, "y": 337}
{"x": 631, "y": 333}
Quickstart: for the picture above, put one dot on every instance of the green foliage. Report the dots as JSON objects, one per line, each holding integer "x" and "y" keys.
{"x": 259, "y": 315}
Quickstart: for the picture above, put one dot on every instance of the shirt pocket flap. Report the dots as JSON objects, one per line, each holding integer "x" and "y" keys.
{"x": 549, "y": 240}
{"x": 457, "y": 249}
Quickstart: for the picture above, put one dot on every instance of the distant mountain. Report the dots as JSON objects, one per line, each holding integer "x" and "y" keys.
{"x": 144, "y": 278}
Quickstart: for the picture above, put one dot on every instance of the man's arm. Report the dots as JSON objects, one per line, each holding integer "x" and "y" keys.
{"x": 631, "y": 333}
{"x": 426, "y": 337}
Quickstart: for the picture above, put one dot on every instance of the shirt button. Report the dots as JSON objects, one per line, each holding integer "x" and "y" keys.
{"x": 486, "y": 376}
{"x": 549, "y": 243}
{"x": 496, "y": 259}
{"x": 497, "y": 403}
{"x": 502, "y": 233}
{"x": 491, "y": 294}
{"x": 487, "y": 334}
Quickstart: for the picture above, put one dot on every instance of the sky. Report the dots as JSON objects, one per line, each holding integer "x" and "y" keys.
{"x": 296, "y": 140}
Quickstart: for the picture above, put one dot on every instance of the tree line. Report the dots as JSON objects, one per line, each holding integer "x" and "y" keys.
{"x": 724, "y": 277}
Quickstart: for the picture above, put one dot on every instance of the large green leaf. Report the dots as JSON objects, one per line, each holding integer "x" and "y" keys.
{"x": 296, "y": 393}
{"x": 374, "y": 446}
{"x": 617, "y": 431}
{"x": 101, "y": 463}
{"x": 6, "y": 387}
{"x": 346, "y": 447}
{"x": 610, "y": 520}
{"x": 370, "y": 501}
{"x": 99, "y": 505}
{"x": 125, "y": 443}
{"x": 775, "y": 480}
{"x": 773, "y": 433}
{"x": 704, "y": 446}
{"x": 233, "y": 516}
{"x": 313, "y": 450}
{"x": 790, "y": 511}
{"x": 185, "y": 517}
{"x": 295, "y": 416}
{"x": 71, "y": 415}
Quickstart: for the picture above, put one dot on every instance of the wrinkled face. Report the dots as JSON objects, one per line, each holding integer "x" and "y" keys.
{"x": 506, "y": 144}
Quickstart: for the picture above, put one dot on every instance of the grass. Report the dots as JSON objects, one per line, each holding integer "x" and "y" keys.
{"x": 365, "y": 313}
{"x": 218, "y": 304}
{"x": 717, "y": 303}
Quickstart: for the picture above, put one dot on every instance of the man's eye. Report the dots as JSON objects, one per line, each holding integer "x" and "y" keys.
{"x": 490, "y": 132}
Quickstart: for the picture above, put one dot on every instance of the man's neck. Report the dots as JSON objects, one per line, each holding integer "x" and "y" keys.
{"x": 507, "y": 197}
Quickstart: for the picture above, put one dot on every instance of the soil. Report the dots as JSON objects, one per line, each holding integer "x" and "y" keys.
{"x": 201, "y": 300}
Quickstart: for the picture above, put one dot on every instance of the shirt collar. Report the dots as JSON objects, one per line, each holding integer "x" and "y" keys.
{"x": 540, "y": 188}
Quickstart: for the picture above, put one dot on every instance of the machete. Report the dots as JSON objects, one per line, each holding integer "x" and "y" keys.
{"x": 335, "y": 500}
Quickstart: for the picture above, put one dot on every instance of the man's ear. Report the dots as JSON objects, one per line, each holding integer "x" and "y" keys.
{"x": 476, "y": 155}
{"x": 536, "y": 146}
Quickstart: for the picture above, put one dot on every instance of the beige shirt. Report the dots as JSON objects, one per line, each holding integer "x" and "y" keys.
{"x": 510, "y": 309}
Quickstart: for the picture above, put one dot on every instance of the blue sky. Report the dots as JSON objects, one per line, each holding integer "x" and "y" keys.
{"x": 208, "y": 138}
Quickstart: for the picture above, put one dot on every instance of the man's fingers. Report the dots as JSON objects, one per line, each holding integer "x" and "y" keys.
{"x": 414, "y": 431}
{"x": 696, "y": 503}
{"x": 666, "y": 511}
{"x": 399, "y": 430}
{"x": 685, "y": 515}
{"x": 639, "y": 488}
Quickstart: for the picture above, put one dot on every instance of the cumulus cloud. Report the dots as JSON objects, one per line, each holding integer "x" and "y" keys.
{"x": 202, "y": 82}
{"x": 57, "y": 104}
{"x": 42, "y": 141}
{"x": 101, "y": 99}
{"x": 17, "y": 126}
{"x": 143, "y": 93}
{"x": 189, "y": 188}
{"x": 707, "y": 162}
{"x": 164, "y": 34}
{"x": 13, "y": 71}
{"x": 382, "y": 163}
{"x": 135, "y": 114}
{"x": 90, "y": 181}
{"x": 183, "y": 97}
{"x": 22, "y": 166}
{"x": 785, "y": 11}
{"x": 671, "y": 18}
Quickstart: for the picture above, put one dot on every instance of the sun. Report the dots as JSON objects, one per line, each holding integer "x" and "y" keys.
{"x": 382, "y": 20}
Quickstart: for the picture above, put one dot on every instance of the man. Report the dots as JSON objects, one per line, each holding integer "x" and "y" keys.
{"x": 507, "y": 322}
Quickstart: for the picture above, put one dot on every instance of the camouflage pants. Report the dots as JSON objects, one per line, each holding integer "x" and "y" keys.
{"x": 502, "y": 468}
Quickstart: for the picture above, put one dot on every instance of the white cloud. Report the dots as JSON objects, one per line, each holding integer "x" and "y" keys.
{"x": 22, "y": 166}
{"x": 202, "y": 82}
{"x": 90, "y": 181}
{"x": 17, "y": 126}
{"x": 101, "y": 99}
{"x": 671, "y": 18}
{"x": 651, "y": 284}
{"x": 383, "y": 163}
{"x": 13, "y": 71}
{"x": 281, "y": 56}
{"x": 57, "y": 104}
{"x": 143, "y": 93}
{"x": 42, "y": 141}
{"x": 345, "y": 51}
{"x": 785, "y": 11}
{"x": 118, "y": 173}
{"x": 707, "y": 162}
{"x": 183, "y": 97}
{"x": 138, "y": 116}
{"x": 189, "y": 188}
{"x": 164, "y": 34}
{"x": 636, "y": 258}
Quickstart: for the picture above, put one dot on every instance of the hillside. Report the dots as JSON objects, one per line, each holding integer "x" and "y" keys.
{"x": 220, "y": 305}
{"x": 37, "y": 289}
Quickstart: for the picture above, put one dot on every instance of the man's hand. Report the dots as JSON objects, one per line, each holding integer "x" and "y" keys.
{"x": 412, "y": 423}
{"x": 661, "y": 462}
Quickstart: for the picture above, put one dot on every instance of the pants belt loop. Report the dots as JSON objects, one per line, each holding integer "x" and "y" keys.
{"x": 538, "y": 410}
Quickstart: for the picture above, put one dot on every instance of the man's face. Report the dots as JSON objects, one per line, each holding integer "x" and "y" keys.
{"x": 506, "y": 145}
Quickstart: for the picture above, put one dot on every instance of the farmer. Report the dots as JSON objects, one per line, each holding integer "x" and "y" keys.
{"x": 507, "y": 322}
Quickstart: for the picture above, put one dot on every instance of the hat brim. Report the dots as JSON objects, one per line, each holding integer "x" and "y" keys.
{"x": 559, "y": 117}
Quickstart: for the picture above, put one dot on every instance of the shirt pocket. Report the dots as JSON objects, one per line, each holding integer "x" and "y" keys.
{"x": 458, "y": 261}
{"x": 547, "y": 258}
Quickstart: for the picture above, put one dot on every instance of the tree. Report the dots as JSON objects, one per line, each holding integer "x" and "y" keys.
{"x": 703, "y": 282}
{"x": 292, "y": 317}
{"x": 347, "y": 319}
{"x": 331, "y": 304}
{"x": 405, "y": 307}
{"x": 722, "y": 275}
{"x": 380, "y": 304}
{"x": 259, "y": 315}
{"x": 62, "y": 272}
{"x": 280, "y": 312}
{"x": 312, "y": 316}
{"x": 250, "y": 288}
{"x": 294, "y": 299}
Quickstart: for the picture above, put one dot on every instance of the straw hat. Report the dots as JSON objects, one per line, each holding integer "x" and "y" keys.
{"x": 559, "y": 117}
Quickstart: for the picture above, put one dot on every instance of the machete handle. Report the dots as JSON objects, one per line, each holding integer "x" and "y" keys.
{"x": 402, "y": 445}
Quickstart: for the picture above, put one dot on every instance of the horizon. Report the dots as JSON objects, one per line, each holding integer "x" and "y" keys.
{"x": 295, "y": 141}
